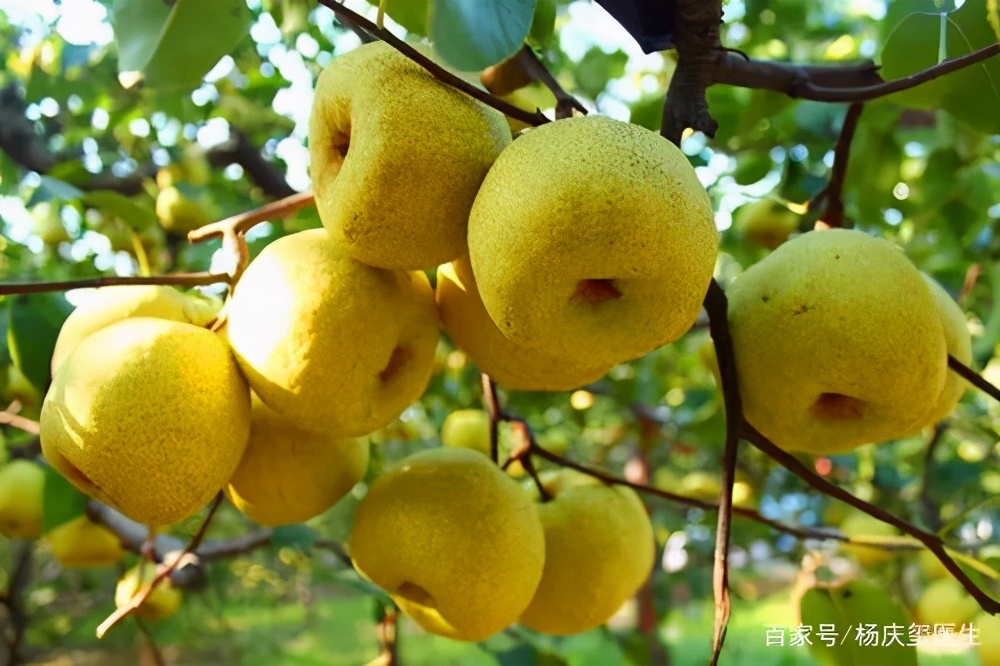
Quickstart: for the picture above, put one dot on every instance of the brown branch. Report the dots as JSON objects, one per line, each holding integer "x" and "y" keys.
{"x": 565, "y": 103}
{"x": 973, "y": 377}
{"x": 696, "y": 37}
{"x": 867, "y": 93}
{"x": 799, "y": 532}
{"x": 239, "y": 150}
{"x": 524, "y": 445}
{"x": 832, "y": 194}
{"x": 436, "y": 70}
{"x": 931, "y": 541}
{"x": 717, "y": 306}
{"x": 154, "y": 650}
{"x": 176, "y": 279}
{"x": 790, "y": 78}
{"x": 12, "y": 599}
{"x": 164, "y": 571}
{"x": 492, "y": 403}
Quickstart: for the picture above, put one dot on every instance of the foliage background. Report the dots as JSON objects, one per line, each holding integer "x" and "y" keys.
{"x": 927, "y": 178}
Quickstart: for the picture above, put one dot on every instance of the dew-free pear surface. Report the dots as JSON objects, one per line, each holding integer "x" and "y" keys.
{"x": 592, "y": 238}
{"x": 396, "y": 158}
{"x": 110, "y": 418}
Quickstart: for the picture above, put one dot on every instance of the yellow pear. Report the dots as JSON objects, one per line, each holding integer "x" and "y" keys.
{"x": 592, "y": 238}
{"x": 328, "y": 342}
{"x": 455, "y": 541}
{"x": 509, "y": 363}
{"x": 838, "y": 343}
{"x": 931, "y": 566}
{"x": 179, "y": 214}
{"x": 22, "y": 483}
{"x": 765, "y": 223}
{"x": 861, "y": 525}
{"x": 599, "y": 550}
{"x": 397, "y": 157}
{"x": 959, "y": 344}
{"x": 467, "y": 429}
{"x": 945, "y": 601}
{"x": 81, "y": 543}
{"x": 47, "y": 224}
{"x": 162, "y": 602}
{"x": 989, "y": 638}
{"x": 289, "y": 475}
{"x": 108, "y": 305}
{"x": 149, "y": 416}
{"x": 18, "y": 387}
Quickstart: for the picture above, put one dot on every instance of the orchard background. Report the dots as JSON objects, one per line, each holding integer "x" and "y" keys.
{"x": 97, "y": 99}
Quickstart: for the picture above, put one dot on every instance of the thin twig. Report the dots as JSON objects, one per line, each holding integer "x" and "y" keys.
{"x": 819, "y": 93}
{"x": 13, "y": 599}
{"x": 165, "y": 570}
{"x": 524, "y": 445}
{"x": 931, "y": 541}
{"x": 436, "y": 70}
{"x": 931, "y": 514}
{"x": 565, "y": 103}
{"x": 973, "y": 377}
{"x": 246, "y": 221}
{"x": 492, "y": 404}
{"x": 717, "y": 307}
{"x": 832, "y": 194}
{"x": 177, "y": 279}
{"x": 11, "y": 417}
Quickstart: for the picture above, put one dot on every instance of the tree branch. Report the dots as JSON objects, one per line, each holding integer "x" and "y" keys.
{"x": 238, "y": 150}
{"x": 435, "y": 69}
{"x": 931, "y": 541}
{"x": 973, "y": 377}
{"x": 565, "y": 103}
{"x": 492, "y": 403}
{"x": 176, "y": 279}
{"x": 696, "y": 37}
{"x": 832, "y": 194}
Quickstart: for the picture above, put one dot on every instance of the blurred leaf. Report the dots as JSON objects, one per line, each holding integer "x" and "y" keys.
{"x": 522, "y": 655}
{"x": 293, "y": 536}
{"x": 648, "y": 112}
{"x": 33, "y": 325}
{"x": 471, "y": 35}
{"x": 971, "y": 94}
{"x": 58, "y": 189}
{"x": 175, "y": 44}
{"x": 61, "y": 502}
{"x": 543, "y": 24}
{"x": 596, "y": 68}
{"x": 752, "y": 166}
{"x": 993, "y": 16}
{"x": 113, "y": 203}
{"x": 847, "y": 608}
{"x": 411, "y": 14}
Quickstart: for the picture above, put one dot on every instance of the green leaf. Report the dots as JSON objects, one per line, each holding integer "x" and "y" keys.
{"x": 847, "y": 608}
{"x": 543, "y": 25}
{"x": 173, "y": 45}
{"x": 411, "y": 14}
{"x": 971, "y": 94}
{"x": 61, "y": 502}
{"x": 471, "y": 35}
{"x": 596, "y": 68}
{"x": 293, "y": 536}
{"x": 58, "y": 189}
{"x": 993, "y": 16}
{"x": 119, "y": 205}
{"x": 33, "y": 325}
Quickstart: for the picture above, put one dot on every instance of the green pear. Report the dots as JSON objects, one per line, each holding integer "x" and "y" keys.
{"x": 21, "y": 487}
{"x": 48, "y": 225}
{"x": 178, "y": 214}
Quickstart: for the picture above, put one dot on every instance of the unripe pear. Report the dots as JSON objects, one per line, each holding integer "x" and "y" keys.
{"x": 161, "y": 603}
{"x": 81, "y": 543}
{"x": 178, "y": 214}
{"x": 22, "y": 483}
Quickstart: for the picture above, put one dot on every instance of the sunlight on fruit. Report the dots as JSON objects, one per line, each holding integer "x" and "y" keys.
{"x": 675, "y": 397}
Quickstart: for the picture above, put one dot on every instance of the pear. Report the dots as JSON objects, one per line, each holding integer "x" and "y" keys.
{"x": 989, "y": 638}
{"x": 945, "y": 601}
{"x": 959, "y": 345}
{"x": 81, "y": 543}
{"x": 467, "y": 429}
{"x": 177, "y": 213}
{"x": 599, "y": 550}
{"x": 161, "y": 603}
{"x": 22, "y": 483}
{"x": 765, "y": 223}
{"x": 289, "y": 475}
{"x": 509, "y": 363}
{"x": 328, "y": 342}
{"x": 592, "y": 238}
{"x": 860, "y": 524}
{"x": 108, "y": 305}
{"x": 467, "y": 546}
{"x": 149, "y": 416}
{"x": 397, "y": 158}
{"x": 838, "y": 343}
